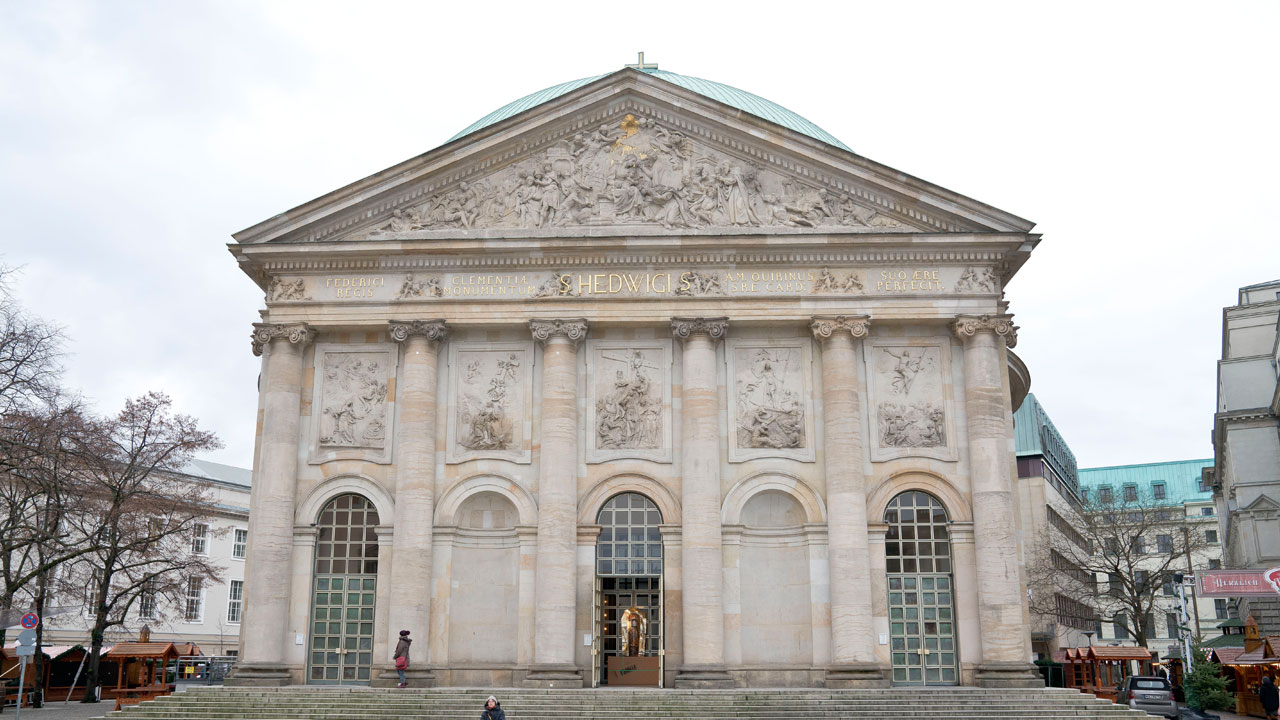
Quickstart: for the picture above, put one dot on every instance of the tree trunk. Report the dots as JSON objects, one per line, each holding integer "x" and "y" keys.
{"x": 91, "y": 672}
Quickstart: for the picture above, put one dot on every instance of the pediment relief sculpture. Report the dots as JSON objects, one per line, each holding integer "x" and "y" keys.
{"x": 637, "y": 172}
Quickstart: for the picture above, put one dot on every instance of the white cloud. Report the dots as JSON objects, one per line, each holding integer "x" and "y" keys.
{"x": 137, "y": 136}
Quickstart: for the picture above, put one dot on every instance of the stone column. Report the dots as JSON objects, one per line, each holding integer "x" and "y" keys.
{"x": 265, "y": 625}
{"x": 703, "y": 603}
{"x": 853, "y": 659}
{"x": 1006, "y": 644}
{"x": 415, "y": 459}
{"x": 555, "y": 590}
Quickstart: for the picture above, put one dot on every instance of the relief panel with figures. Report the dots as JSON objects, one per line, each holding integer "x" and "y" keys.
{"x": 629, "y": 409}
{"x": 490, "y": 392}
{"x": 770, "y": 411}
{"x": 351, "y": 410}
{"x": 910, "y": 408}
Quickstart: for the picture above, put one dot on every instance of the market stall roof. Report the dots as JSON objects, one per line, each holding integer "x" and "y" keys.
{"x": 157, "y": 650}
{"x": 1234, "y": 640}
{"x": 1118, "y": 653}
{"x": 187, "y": 649}
{"x": 1226, "y": 655}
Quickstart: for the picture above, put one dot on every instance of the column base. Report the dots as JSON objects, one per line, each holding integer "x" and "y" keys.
{"x": 1008, "y": 675}
{"x": 857, "y": 675}
{"x": 261, "y": 675}
{"x": 552, "y": 675}
{"x": 704, "y": 677}
{"x": 386, "y": 676}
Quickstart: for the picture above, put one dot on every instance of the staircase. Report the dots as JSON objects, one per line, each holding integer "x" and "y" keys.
{"x": 318, "y": 703}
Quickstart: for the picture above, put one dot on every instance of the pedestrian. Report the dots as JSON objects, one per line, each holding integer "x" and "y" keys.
{"x": 402, "y": 656}
{"x": 493, "y": 710}
{"x": 1269, "y": 695}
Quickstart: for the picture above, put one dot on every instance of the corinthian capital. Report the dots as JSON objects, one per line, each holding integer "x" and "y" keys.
{"x": 575, "y": 331}
{"x": 967, "y": 326}
{"x": 685, "y": 327}
{"x": 263, "y": 333}
{"x": 433, "y": 330}
{"x": 824, "y": 326}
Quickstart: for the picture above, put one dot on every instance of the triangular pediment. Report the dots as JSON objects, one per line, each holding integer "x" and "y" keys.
{"x": 1262, "y": 503}
{"x": 631, "y": 154}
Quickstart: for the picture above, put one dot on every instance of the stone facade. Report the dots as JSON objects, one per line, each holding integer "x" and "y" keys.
{"x": 1245, "y": 476}
{"x": 632, "y": 289}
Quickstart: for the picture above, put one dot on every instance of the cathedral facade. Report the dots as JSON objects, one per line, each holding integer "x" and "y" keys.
{"x": 640, "y": 380}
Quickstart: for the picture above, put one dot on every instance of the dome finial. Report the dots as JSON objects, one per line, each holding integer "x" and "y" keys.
{"x": 641, "y": 65}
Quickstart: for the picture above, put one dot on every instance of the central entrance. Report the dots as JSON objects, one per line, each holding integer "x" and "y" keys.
{"x": 627, "y": 647}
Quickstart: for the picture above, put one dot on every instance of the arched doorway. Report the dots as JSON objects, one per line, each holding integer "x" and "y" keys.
{"x": 344, "y": 584}
{"x": 628, "y": 599}
{"x": 922, "y": 633}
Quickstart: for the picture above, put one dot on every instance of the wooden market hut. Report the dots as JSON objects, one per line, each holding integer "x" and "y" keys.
{"x": 1099, "y": 669}
{"x": 142, "y": 666}
{"x": 1246, "y": 666}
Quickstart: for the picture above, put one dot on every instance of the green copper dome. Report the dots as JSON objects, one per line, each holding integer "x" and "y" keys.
{"x": 744, "y": 101}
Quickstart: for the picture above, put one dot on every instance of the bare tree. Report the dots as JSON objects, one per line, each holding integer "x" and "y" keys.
{"x": 1131, "y": 545}
{"x": 138, "y": 516}
{"x": 29, "y": 352}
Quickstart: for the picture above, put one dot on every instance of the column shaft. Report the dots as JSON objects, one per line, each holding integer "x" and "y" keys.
{"x": 702, "y": 556}
{"x": 410, "y": 557}
{"x": 555, "y": 591}
{"x": 852, "y": 639}
{"x": 1006, "y": 647}
{"x": 268, "y": 561}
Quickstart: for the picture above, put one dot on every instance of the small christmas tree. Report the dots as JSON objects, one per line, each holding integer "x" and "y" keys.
{"x": 1204, "y": 687}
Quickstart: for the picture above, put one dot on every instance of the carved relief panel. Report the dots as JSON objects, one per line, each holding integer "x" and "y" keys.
{"x": 910, "y": 399}
{"x": 490, "y": 392}
{"x": 629, "y": 400}
{"x": 352, "y": 407}
{"x": 770, "y": 399}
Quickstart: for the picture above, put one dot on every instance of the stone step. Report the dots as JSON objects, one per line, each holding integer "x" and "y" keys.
{"x": 359, "y": 703}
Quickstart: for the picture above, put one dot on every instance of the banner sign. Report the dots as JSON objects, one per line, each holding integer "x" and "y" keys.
{"x": 1236, "y": 583}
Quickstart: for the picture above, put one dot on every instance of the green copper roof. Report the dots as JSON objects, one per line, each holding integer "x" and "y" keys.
{"x": 744, "y": 101}
{"x": 1181, "y": 479}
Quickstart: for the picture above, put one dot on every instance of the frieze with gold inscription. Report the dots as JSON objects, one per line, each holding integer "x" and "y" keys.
{"x": 692, "y": 282}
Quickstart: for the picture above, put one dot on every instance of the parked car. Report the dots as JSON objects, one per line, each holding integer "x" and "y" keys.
{"x": 1151, "y": 695}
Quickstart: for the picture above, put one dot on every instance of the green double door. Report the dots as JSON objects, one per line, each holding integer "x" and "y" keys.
{"x": 341, "y": 649}
{"x": 922, "y": 635}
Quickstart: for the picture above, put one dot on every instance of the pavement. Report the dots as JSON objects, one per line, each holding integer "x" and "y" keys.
{"x": 73, "y": 710}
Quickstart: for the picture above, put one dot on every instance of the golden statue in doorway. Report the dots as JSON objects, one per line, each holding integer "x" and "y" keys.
{"x": 635, "y": 629}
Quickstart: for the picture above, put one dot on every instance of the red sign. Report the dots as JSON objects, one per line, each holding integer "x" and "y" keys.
{"x": 1233, "y": 583}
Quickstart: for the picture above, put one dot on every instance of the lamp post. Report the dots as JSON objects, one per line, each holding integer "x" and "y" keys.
{"x": 1184, "y": 617}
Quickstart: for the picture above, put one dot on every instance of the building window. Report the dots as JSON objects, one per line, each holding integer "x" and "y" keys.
{"x": 1157, "y": 491}
{"x": 1164, "y": 515}
{"x": 200, "y": 539}
{"x": 91, "y": 592}
{"x": 1203, "y": 484}
{"x": 1104, "y": 495}
{"x": 1171, "y": 624}
{"x": 147, "y": 602}
{"x": 1140, "y": 580}
{"x": 1115, "y": 586}
{"x": 235, "y": 601}
{"x": 1220, "y": 608}
{"x": 241, "y": 543}
{"x": 194, "y": 600}
{"x": 1131, "y": 493}
{"x": 1167, "y": 587}
{"x": 1140, "y": 545}
{"x": 1164, "y": 544}
{"x": 1084, "y": 494}
{"x": 1206, "y": 511}
{"x": 1215, "y": 564}
{"x": 1122, "y": 632}
{"x": 1211, "y": 536}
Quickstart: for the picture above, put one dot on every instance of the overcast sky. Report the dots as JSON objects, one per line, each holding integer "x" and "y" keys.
{"x": 135, "y": 137}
